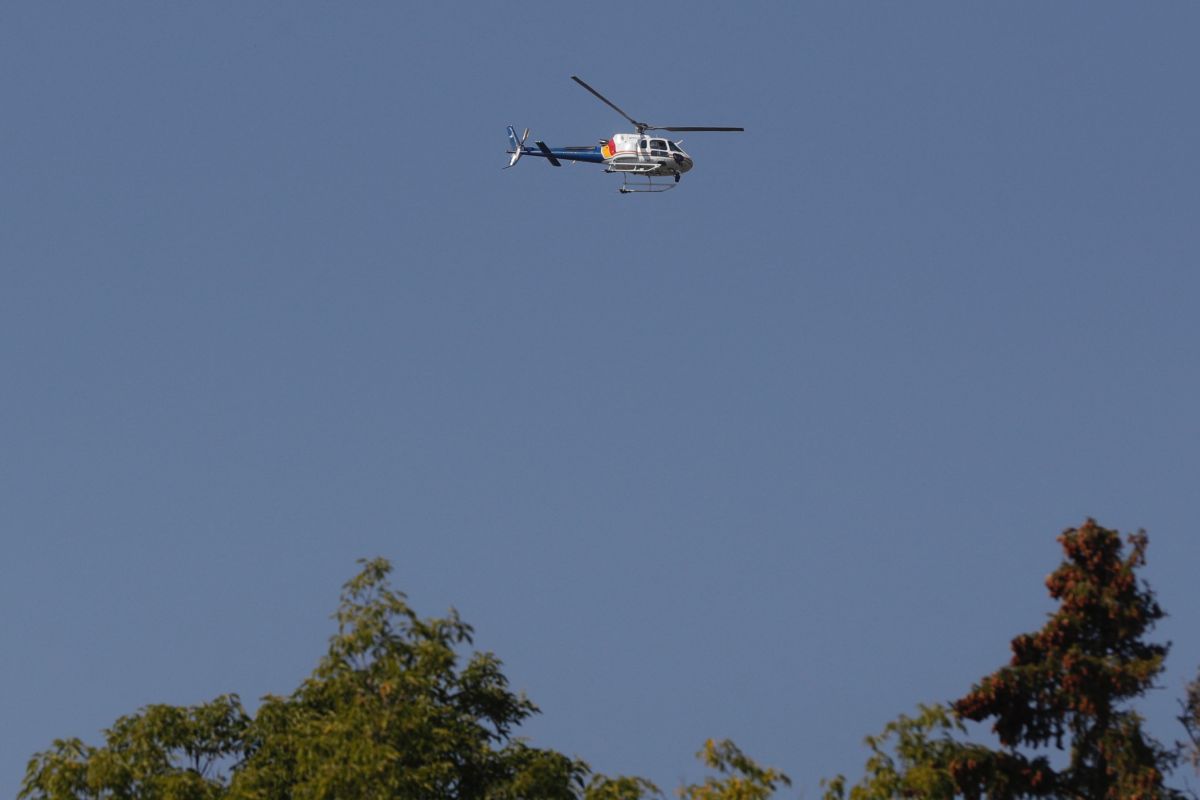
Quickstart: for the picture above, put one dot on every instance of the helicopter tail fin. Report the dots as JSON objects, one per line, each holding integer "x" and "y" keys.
{"x": 518, "y": 145}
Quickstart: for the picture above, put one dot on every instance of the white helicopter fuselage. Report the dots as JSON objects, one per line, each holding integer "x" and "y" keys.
{"x": 645, "y": 154}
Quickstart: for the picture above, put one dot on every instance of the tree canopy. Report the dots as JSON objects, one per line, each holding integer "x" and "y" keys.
{"x": 400, "y": 707}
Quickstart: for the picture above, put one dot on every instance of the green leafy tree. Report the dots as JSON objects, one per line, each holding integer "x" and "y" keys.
{"x": 167, "y": 752}
{"x": 601, "y": 787}
{"x": 910, "y": 758}
{"x": 738, "y": 777}
{"x": 741, "y": 778}
{"x": 395, "y": 710}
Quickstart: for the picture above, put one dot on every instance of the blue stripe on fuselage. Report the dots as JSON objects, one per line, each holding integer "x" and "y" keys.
{"x": 592, "y": 154}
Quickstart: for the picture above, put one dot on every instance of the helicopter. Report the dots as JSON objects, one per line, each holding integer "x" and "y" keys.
{"x": 632, "y": 155}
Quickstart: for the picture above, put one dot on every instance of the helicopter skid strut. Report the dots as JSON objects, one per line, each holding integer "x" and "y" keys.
{"x": 647, "y": 187}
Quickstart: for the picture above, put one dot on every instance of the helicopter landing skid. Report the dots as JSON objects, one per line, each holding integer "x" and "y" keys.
{"x": 644, "y": 187}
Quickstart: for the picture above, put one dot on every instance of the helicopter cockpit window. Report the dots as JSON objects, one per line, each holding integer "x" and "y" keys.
{"x": 658, "y": 145}
{"x": 674, "y": 147}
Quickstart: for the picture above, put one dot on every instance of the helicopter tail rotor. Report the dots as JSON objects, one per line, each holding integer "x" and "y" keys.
{"x": 518, "y": 145}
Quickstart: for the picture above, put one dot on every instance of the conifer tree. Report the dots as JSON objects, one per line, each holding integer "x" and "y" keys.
{"x": 1190, "y": 718}
{"x": 1068, "y": 685}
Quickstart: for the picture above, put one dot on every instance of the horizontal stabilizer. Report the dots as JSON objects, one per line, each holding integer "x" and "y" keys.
{"x": 546, "y": 152}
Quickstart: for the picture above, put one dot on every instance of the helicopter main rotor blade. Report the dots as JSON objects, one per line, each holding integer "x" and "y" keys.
{"x": 688, "y": 128}
{"x": 608, "y": 102}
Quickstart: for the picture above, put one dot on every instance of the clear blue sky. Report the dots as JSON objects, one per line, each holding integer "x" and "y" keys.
{"x": 775, "y": 456}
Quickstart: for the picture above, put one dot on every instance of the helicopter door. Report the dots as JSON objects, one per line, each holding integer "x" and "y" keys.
{"x": 658, "y": 149}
